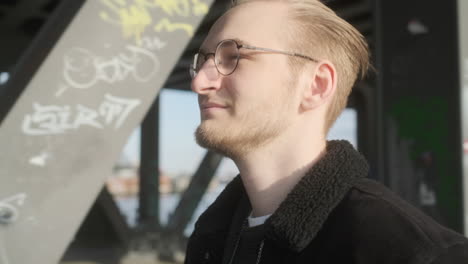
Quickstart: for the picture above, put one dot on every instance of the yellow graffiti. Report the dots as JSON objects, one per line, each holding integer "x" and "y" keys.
{"x": 134, "y": 22}
{"x": 166, "y": 25}
{"x": 172, "y": 7}
{"x": 134, "y": 17}
{"x": 199, "y": 9}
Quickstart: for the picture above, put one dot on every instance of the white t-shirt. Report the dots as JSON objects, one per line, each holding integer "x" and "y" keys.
{"x": 256, "y": 221}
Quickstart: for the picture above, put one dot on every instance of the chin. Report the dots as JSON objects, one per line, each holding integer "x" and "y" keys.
{"x": 216, "y": 139}
{"x": 229, "y": 141}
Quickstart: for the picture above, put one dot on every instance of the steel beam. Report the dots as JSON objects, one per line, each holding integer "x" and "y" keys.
{"x": 148, "y": 211}
{"x": 418, "y": 98}
{"x": 463, "y": 46}
{"x": 173, "y": 233}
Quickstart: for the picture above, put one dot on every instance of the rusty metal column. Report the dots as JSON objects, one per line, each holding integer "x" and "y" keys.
{"x": 148, "y": 218}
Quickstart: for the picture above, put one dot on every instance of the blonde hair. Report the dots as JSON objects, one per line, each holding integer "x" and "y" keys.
{"x": 318, "y": 32}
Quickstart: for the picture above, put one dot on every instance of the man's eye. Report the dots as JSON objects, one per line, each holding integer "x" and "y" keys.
{"x": 227, "y": 59}
{"x": 245, "y": 56}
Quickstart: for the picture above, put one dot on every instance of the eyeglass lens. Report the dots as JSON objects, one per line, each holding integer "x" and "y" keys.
{"x": 226, "y": 58}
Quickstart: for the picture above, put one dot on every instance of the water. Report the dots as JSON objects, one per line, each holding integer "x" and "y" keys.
{"x": 167, "y": 204}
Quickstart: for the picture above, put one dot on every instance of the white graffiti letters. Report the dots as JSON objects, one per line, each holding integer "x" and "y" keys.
{"x": 83, "y": 69}
{"x": 154, "y": 43}
{"x": 116, "y": 109}
{"x": 86, "y": 117}
{"x": 50, "y": 120}
{"x": 9, "y": 208}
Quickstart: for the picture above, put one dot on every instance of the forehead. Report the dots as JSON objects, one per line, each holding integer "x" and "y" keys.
{"x": 259, "y": 23}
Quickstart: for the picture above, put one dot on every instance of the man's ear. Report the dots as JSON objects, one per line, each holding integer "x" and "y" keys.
{"x": 320, "y": 86}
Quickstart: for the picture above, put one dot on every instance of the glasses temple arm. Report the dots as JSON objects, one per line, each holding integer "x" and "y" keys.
{"x": 278, "y": 51}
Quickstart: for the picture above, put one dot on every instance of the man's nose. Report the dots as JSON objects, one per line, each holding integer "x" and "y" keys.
{"x": 207, "y": 79}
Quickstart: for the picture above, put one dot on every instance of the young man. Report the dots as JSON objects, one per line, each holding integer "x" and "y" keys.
{"x": 271, "y": 78}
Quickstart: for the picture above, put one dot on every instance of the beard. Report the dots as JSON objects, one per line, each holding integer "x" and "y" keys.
{"x": 237, "y": 138}
{"x": 255, "y": 127}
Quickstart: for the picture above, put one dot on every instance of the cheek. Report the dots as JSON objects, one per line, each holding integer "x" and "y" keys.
{"x": 262, "y": 87}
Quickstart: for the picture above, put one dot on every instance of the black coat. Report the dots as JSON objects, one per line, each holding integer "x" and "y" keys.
{"x": 333, "y": 215}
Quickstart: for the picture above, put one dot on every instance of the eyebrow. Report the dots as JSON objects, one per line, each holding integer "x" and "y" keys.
{"x": 241, "y": 42}
{"x": 238, "y": 40}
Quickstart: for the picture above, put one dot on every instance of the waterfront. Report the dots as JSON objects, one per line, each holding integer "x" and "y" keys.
{"x": 168, "y": 202}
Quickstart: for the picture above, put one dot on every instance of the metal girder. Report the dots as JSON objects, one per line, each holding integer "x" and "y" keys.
{"x": 20, "y": 20}
{"x": 195, "y": 191}
{"x": 103, "y": 232}
{"x": 365, "y": 27}
{"x": 463, "y": 61}
{"x": 148, "y": 217}
{"x": 418, "y": 105}
{"x": 94, "y": 82}
{"x": 16, "y": 14}
{"x": 358, "y": 9}
{"x": 180, "y": 80}
{"x": 187, "y": 205}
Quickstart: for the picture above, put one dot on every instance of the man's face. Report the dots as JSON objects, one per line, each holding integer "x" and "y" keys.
{"x": 256, "y": 103}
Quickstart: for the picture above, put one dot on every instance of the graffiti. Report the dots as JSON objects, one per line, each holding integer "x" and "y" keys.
{"x": 9, "y": 212}
{"x": 134, "y": 17}
{"x": 154, "y": 43}
{"x": 166, "y": 25}
{"x": 52, "y": 119}
{"x": 40, "y": 160}
{"x": 83, "y": 69}
{"x": 116, "y": 108}
{"x": 61, "y": 90}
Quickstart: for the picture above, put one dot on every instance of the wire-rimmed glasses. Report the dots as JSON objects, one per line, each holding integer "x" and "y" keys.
{"x": 227, "y": 54}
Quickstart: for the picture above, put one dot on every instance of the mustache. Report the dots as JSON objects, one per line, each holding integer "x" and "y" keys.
{"x": 210, "y": 101}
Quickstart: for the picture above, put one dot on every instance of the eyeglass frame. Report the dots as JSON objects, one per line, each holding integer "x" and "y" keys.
{"x": 239, "y": 46}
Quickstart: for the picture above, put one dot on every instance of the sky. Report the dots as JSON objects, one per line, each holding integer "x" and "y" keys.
{"x": 180, "y": 116}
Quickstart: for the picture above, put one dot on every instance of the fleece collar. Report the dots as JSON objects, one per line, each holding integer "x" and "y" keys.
{"x": 306, "y": 208}
{"x": 302, "y": 214}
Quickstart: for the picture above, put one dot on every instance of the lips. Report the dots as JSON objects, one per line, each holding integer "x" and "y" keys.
{"x": 209, "y": 105}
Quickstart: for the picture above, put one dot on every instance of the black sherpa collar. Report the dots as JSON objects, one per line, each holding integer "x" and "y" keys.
{"x": 306, "y": 208}
{"x": 301, "y": 215}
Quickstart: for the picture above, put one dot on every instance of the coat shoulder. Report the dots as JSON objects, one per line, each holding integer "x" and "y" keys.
{"x": 217, "y": 217}
{"x": 206, "y": 243}
{"x": 381, "y": 222}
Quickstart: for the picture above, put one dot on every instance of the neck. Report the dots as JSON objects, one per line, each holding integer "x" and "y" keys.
{"x": 270, "y": 173}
